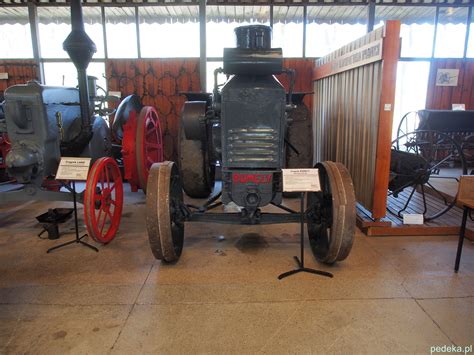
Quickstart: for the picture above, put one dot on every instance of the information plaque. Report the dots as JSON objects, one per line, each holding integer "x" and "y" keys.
{"x": 299, "y": 180}
{"x": 73, "y": 168}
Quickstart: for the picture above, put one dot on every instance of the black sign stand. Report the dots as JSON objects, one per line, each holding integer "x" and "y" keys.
{"x": 300, "y": 261}
{"x": 78, "y": 239}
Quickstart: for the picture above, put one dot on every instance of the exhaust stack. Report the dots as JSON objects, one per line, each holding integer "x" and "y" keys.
{"x": 80, "y": 49}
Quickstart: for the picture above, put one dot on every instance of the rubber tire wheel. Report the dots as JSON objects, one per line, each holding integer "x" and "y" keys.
{"x": 197, "y": 173}
{"x": 164, "y": 193}
{"x": 335, "y": 243}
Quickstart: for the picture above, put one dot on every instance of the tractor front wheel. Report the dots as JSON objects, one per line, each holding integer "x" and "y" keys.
{"x": 164, "y": 218}
{"x": 103, "y": 200}
{"x": 332, "y": 214}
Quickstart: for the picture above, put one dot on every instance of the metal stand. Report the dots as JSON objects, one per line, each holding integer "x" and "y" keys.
{"x": 78, "y": 239}
{"x": 300, "y": 261}
{"x": 462, "y": 233}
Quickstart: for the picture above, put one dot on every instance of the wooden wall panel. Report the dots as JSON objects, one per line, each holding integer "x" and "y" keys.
{"x": 159, "y": 83}
{"x": 442, "y": 97}
{"x": 19, "y": 72}
{"x": 303, "y": 78}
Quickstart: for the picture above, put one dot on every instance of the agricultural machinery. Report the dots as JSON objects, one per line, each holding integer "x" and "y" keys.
{"x": 432, "y": 149}
{"x": 45, "y": 123}
{"x": 241, "y": 127}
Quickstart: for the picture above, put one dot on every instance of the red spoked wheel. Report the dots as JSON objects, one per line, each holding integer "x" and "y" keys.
{"x": 103, "y": 200}
{"x": 149, "y": 143}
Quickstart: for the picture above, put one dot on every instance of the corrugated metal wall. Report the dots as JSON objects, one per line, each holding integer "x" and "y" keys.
{"x": 346, "y": 117}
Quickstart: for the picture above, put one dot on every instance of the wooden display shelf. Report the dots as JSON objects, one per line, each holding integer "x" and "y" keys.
{"x": 447, "y": 224}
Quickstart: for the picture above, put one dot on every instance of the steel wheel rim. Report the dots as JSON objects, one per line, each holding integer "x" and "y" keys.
{"x": 164, "y": 223}
{"x": 331, "y": 240}
{"x": 104, "y": 189}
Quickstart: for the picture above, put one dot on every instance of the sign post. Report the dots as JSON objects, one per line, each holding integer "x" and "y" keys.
{"x": 74, "y": 169}
{"x": 301, "y": 180}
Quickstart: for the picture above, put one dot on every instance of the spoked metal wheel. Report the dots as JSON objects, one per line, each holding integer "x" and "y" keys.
{"x": 149, "y": 143}
{"x": 103, "y": 200}
{"x": 164, "y": 219}
{"x": 424, "y": 171}
{"x": 409, "y": 123}
{"x": 196, "y": 169}
{"x": 332, "y": 214}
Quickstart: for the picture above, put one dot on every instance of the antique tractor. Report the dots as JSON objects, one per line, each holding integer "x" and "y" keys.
{"x": 46, "y": 123}
{"x": 242, "y": 127}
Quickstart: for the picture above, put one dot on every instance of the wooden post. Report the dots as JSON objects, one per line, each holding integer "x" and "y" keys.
{"x": 391, "y": 53}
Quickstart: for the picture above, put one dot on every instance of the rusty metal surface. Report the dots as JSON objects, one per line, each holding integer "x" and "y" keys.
{"x": 197, "y": 171}
{"x": 346, "y": 118}
{"x": 164, "y": 197}
{"x": 193, "y": 116}
{"x": 332, "y": 235}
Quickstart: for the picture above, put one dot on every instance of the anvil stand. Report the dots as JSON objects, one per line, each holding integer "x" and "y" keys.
{"x": 78, "y": 239}
{"x": 300, "y": 261}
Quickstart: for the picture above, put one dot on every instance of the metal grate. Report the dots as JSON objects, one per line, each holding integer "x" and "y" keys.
{"x": 252, "y": 145}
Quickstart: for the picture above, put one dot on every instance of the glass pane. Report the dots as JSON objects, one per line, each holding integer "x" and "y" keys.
{"x": 93, "y": 26}
{"x": 15, "y": 39}
{"x": 55, "y": 26}
{"x": 411, "y": 88}
{"x": 221, "y": 78}
{"x": 121, "y": 32}
{"x": 288, "y": 30}
{"x": 451, "y": 32}
{"x": 470, "y": 45}
{"x": 417, "y": 28}
{"x": 169, "y": 31}
{"x": 65, "y": 74}
{"x": 221, "y": 21}
{"x": 331, "y": 27}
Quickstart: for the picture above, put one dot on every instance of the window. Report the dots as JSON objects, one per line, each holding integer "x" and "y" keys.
{"x": 331, "y": 27}
{"x": 55, "y": 26}
{"x": 15, "y": 41}
{"x": 470, "y": 45}
{"x": 162, "y": 36}
{"x": 411, "y": 87}
{"x": 65, "y": 74}
{"x": 222, "y": 20}
{"x": 288, "y": 30}
{"x": 417, "y": 27}
{"x": 451, "y": 32}
{"x": 221, "y": 78}
{"x": 121, "y": 32}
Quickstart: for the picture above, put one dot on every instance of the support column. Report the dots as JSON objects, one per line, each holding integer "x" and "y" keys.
{"x": 202, "y": 44}
{"x": 370, "y": 16}
{"x": 33, "y": 18}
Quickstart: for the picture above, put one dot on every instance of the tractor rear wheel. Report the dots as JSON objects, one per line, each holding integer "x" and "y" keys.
{"x": 197, "y": 172}
{"x": 149, "y": 143}
{"x": 332, "y": 214}
{"x": 164, "y": 221}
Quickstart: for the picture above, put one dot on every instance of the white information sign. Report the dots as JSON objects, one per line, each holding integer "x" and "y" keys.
{"x": 73, "y": 168}
{"x": 301, "y": 180}
{"x": 412, "y": 218}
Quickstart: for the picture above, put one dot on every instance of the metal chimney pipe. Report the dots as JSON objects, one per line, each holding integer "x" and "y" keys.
{"x": 80, "y": 49}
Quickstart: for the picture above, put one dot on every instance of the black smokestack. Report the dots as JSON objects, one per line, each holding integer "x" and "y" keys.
{"x": 80, "y": 49}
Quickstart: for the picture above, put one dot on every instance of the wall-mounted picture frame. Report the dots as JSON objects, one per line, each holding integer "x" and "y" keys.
{"x": 447, "y": 77}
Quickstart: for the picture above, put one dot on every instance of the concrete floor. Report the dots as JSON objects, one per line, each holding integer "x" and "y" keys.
{"x": 392, "y": 295}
